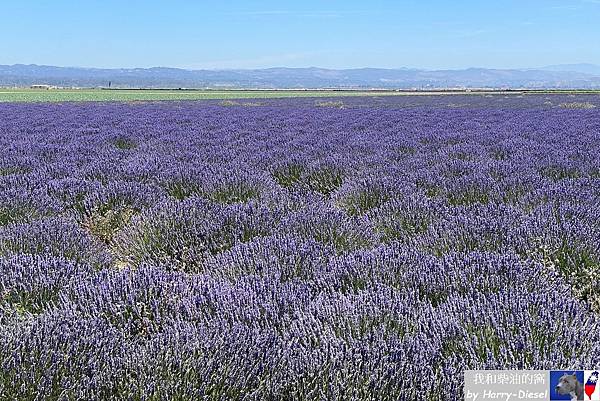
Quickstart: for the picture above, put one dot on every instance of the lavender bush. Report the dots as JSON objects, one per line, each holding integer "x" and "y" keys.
{"x": 289, "y": 251}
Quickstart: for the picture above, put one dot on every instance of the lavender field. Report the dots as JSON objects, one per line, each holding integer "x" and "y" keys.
{"x": 296, "y": 249}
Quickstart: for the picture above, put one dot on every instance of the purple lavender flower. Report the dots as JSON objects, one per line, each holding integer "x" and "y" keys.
{"x": 187, "y": 250}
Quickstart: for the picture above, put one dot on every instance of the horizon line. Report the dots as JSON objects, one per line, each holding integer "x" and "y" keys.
{"x": 309, "y": 67}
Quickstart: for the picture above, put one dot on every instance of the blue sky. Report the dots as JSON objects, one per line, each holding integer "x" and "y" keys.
{"x": 331, "y": 34}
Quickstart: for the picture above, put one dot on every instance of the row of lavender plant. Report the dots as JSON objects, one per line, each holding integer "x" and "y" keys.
{"x": 368, "y": 250}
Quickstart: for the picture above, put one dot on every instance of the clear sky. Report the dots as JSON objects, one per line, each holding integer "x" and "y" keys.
{"x": 331, "y": 34}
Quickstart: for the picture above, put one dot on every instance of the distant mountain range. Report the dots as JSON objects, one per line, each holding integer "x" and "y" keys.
{"x": 580, "y": 76}
{"x": 590, "y": 69}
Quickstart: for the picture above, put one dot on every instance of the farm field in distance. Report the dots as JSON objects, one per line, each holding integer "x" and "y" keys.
{"x": 66, "y": 95}
{"x": 126, "y": 95}
{"x": 334, "y": 248}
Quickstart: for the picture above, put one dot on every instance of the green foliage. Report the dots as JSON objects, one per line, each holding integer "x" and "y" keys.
{"x": 401, "y": 225}
{"x": 15, "y": 214}
{"x": 32, "y": 302}
{"x": 557, "y": 173}
{"x": 361, "y": 201}
{"x": 289, "y": 175}
{"x": 342, "y": 240}
{"x": 325, "y": 179}
{"x": 237, "y": 192}
{"x": 513, "y": 194}
{"x": 406, "y": 150}
{"x": 468, "y": 196}
{"x": 499, "y": 154}
{"x": 105, "y": 224}
{"x": 125, "y": 143}
{"x": 12, "y": 170}
{"x": 577, "y": 263}
{"x": 430, "y": 189}
{"x": 181, "y": 189}
{"x": 461, "y": 156}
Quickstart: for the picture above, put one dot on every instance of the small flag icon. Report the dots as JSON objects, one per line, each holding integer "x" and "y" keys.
{"x": 590, "y": 384}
